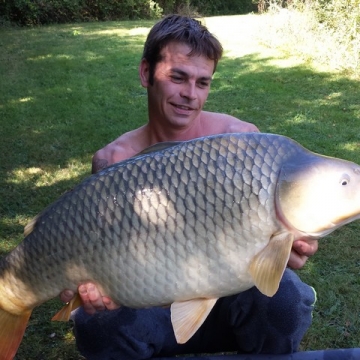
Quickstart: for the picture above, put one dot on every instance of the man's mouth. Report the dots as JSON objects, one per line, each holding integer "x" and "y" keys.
{"x": 183, "y": 107}
{"x": 183, "y": 110}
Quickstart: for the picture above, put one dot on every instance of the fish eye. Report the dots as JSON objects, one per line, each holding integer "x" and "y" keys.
{"x": 345, "y": 179}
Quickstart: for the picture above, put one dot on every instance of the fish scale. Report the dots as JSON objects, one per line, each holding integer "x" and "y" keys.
{"x": 181, "y": 224}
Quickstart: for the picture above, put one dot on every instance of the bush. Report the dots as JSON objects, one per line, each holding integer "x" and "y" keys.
{"x": 221, "y": 7}
{"x": 327, "y": 31}
{"x": 39, "y": 12}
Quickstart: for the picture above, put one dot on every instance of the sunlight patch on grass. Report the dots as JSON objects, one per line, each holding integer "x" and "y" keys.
{"x": 9, "y": 221}
{"x": 40, "y": 57}
{"x": 69, "y": 337}
{"x": 139, "y": 31}
{"x": 91, "y": 56}
{"x": 300, "y": 119}
{"x": 6, "y": 246}
{"x": 64, "y": 56}
{"x": 335, "y": 95}
{"x": 350, "y": 146}
{"x": 286, "y": 62}
{"x": 21, "y": 100}
{"x": 10, "y": 239}
{"x": 26, "y": 99}
{"x": 118, "y": 32}
{"x": 39, "y": 177}
{"x": 52, "y": 57}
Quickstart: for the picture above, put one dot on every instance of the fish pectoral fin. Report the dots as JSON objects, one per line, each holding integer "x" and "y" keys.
{"x": 188, "y": 316}
{"x": 65, "y": 311}
{"x": 268, "y": 266}
{"x": 11, "y": 332}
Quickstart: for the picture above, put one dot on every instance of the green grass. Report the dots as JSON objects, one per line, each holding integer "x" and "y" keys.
{"x": 66, "y": 91}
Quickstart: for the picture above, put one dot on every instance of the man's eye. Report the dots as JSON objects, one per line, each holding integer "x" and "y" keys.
{"x": 176, "y": 79}
{"x": 203, "y": 84}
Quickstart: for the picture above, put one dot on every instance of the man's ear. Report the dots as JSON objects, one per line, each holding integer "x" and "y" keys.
{"x": 144, "y": 73}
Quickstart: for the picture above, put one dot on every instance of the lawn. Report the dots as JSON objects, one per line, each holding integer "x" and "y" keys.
{"x": 66, "y": 91}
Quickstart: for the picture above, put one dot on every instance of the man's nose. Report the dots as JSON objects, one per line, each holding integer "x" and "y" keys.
{"x": 189, "y": 90}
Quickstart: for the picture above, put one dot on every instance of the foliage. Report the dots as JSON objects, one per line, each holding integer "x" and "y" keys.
{"x": 327, "y": 31}
{"x": 341, "y": 18}
{"x": 221, "y": 7}
{"x": 339, "y": 13}
{"x": 206, "y": 7}
{"x": 39, "y": 12}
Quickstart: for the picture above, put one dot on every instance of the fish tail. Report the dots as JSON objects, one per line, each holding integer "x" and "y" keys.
{"x": 12, "y": 328}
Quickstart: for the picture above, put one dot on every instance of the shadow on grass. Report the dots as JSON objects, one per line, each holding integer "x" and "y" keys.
{"x": 69, "y": 90}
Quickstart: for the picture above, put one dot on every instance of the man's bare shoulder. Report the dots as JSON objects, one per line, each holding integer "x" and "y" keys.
{"x": 224, "y": 123}
{"x": 124, "y": 147}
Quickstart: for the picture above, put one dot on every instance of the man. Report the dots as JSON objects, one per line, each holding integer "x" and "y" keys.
{"x": 179, "y": 59}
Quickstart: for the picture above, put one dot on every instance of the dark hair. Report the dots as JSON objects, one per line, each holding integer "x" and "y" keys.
{"x": 182, "y": 29}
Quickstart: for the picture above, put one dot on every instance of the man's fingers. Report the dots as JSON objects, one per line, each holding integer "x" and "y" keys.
{"x": 296, "y": 261}
{"x": 301, "y": 251}
{"x": 91, "y": 298}
{"x": 109, "y": 304}
{"x": 66, "y": 296}
{"x": 306, "y": 248}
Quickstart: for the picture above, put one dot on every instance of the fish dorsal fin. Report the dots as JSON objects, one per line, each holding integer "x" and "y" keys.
{"x": 30, "y": 226}
{"x": 268, "y": 266}
{"x": 188, "y": 316}
{"x": 65, "y": 311}
{"x": 158, "y": 147}
{"x": 11, "y": 332}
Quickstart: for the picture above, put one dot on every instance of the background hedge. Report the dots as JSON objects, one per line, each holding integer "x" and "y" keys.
{"x": 39, "y": 12}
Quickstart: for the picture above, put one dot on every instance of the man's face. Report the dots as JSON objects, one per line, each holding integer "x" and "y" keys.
{"x": 181, "y": 86}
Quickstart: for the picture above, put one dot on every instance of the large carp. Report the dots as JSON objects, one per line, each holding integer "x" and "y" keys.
{"x": 181, "y": 224}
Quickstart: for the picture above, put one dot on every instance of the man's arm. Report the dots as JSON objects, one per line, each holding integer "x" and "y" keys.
{"x": 122, "y": 148}
{"x": 98, "y": 164}
{"x": 106, "y": 157}
{"x": 242, "y": 126}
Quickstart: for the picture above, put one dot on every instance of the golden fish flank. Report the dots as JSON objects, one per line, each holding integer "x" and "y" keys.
{"x": 180, "y": 224}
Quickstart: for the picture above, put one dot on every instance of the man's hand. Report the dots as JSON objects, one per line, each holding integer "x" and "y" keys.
{"x": 301, "y": 251}
{"x": 91, "y": 297}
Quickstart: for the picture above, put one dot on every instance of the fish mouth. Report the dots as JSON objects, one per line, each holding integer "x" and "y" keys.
{"x": 341, "y": 221}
